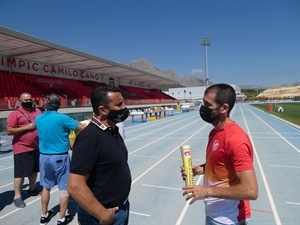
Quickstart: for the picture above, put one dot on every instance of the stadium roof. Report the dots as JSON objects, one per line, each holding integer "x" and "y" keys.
{"x": 26, "y": 47}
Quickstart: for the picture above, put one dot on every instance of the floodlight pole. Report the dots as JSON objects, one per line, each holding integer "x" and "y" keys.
{"x": 206, "y": 42}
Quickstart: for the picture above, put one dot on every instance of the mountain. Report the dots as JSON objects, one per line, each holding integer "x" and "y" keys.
{"x": 259, "y": 87}
{"x": 252, "y": 86}
{"x": 187, "y": 81}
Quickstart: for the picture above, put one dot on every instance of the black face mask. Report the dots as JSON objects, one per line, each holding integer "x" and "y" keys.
{"x": 26, "y": 104}
{"x": 118, "y": 115}
{"x": 206, "y": 114}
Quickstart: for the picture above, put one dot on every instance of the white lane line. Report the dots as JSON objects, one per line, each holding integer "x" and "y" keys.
{"x": 148, "y": 126}
{"x": 293, "y": 167}
{"x": 168, "y": 134}
{"x": 27, "y": 203}
{"x": 140, "y": 214}
{"x": 171, "y": 152}
{"x": 6, "y": 168}
{"x": 145, "y": 156}
{"x": 7, "y": 185}
{"x": 13, "y": 183}
{"x": 273, "y": 206}
{"x": 187, "y": 204}
{"x": 162, "y": 187}
{"x": 295, "y": 133}
{"x": 6, "y": 157}
{"x": 265, "y": 137}
{"x": 293, "y": 203}
{"x": 274, "y": 130}
{"x": 154, "y": 132}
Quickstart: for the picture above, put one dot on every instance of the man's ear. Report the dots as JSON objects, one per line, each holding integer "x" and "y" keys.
{"x": 102, "y": 110}
{"x": 225, "y": 108}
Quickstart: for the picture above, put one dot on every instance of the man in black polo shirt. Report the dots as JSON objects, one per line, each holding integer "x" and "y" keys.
{"x": 100, "y": 178}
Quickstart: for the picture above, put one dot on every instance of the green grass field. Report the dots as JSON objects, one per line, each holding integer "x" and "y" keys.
{"x": 291, "y": 111}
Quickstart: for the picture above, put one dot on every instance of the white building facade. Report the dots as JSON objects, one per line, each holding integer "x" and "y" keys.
{"x": 194, "y": 93}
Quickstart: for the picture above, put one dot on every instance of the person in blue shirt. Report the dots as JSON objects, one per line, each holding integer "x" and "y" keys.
{"x": 53, "y": 132}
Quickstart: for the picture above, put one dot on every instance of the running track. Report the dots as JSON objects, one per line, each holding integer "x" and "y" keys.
{"x": 155, "y": 160}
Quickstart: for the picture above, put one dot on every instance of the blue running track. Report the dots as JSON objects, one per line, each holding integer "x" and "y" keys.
{"x": 155, "y": 160}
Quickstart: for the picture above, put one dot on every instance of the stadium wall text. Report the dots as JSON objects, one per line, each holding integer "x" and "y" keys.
{"x": 12, "y": 64}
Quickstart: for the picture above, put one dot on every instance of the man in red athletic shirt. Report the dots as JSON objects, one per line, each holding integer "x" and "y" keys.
{"x": 229, "y": 176}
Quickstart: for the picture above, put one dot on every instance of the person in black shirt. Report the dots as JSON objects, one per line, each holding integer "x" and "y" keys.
{"x": 100, "y": 178}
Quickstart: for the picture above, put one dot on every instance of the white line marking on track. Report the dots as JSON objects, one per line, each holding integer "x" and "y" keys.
{"x": 29, "y": 203}
{"x": 140, "y": 214}
{"x": 163, "y": 158}
{"x": 162, "y": 187}
{"x": 6, "y": 157}
{"x": 293, "y": 203}
{"x": 187, "y": 204}
{"x": 163, "y": 137}
{"x": 6, "y": 168}
{"x": 294, "y": 167}
{"x": 7, "y": 185}
{"x": 145, "y": 156}
{"x": 275, "y": 213}
{"x": 154, "y": 132}
{"x": 264, "y": 137}
{"x": 264, "y": 133}
{"x": 272, "y": 129}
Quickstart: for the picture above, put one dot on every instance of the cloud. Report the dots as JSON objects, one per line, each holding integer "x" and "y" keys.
{"x": 197, "y": 72}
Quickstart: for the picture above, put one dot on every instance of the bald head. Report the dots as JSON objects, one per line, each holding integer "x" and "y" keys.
{"x": 26, "y": 100}
{"x": 25, "y": 96}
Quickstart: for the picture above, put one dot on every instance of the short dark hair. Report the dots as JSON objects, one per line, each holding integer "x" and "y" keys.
{"x": 52, "y": 102}
{"x": 99, "y": 97}
{"x": 224, "y": 94}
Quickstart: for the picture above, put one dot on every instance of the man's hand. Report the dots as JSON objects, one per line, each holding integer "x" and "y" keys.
{"x": 19, "y": 130}
{"x": 109, "y": 216}
{"x": 195, "y": 192}
{"x": 197, "y": 170}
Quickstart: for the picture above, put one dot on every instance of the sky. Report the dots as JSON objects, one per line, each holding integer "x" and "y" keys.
{"x": 253, "y": 42}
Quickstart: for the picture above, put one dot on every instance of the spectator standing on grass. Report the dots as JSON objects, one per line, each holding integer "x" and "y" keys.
{"x": 21, "y": 124}
{"x": 53, "y": 130}
{"x": 229, "y": 177}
